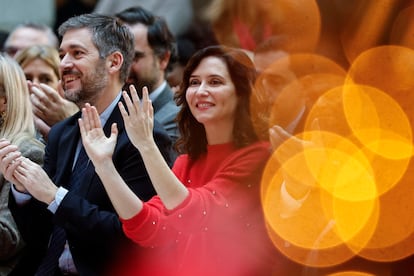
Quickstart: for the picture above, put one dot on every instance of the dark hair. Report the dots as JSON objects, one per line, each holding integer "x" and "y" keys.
{"x": 159, "y": 37}
{"x": 193, "y": 140}
{"x": 108, "y": 35}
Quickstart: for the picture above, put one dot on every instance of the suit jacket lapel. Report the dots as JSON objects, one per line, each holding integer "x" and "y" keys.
{"x": 164, "y": 97}
{"x": 115, "y": 117}
{"x": 66, "y": 153}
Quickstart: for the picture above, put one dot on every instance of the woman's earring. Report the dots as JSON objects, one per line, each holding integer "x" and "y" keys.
{"x": 2, "y": 117}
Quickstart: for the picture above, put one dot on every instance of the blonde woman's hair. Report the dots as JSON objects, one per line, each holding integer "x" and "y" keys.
{"x": 48, "y": 54}
{"x": 18, "y": 119}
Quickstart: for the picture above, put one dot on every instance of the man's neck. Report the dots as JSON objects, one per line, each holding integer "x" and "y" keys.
{"x": 106, "y": 97}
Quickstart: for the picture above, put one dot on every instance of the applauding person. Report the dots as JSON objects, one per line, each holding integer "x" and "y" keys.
{"x": 207, "y": 217}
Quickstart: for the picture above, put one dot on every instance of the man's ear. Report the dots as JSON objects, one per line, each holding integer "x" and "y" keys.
{"x": 115, "y": 61}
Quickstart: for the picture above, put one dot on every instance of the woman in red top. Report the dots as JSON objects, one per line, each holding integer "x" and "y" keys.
{"x": 207, "y": 218}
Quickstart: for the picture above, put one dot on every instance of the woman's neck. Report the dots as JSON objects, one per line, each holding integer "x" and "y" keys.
{"x": 218, "y": 135}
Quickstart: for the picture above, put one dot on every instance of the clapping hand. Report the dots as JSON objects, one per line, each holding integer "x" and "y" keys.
{"x": 35, "y": 180}
{"x": 139, "y": 119}
{"x": 98, "y": 147}
{"x": 49, "y": 106}
{"x": 10, "y": 158}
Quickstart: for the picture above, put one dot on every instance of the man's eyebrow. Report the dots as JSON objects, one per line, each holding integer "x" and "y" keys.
{"x": 139, "y": 53}
{"x": 73, "y": 46}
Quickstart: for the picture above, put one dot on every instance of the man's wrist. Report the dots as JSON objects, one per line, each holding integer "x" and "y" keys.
{"x": 60, "y": 194}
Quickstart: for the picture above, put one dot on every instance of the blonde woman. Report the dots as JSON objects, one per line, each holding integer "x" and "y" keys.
{"x": 40, "y": 64}
{"x": 17, "y": 126}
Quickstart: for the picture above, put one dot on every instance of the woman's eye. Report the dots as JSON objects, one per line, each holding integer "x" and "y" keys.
{"x": 215, "y": 82}
{"x": 45, "y": 80}
{"x": 194, "y": 82}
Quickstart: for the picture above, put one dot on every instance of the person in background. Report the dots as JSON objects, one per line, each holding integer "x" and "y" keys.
{"x": 3, "y": 37}
{"x": 155, "y": 52}
{"x": 245, "y": 24}
{"x": 186, "y": 49}
{"x": 65, "y": 9}
{"x": 177, "y": 13}
{"x": 67, "y": 217}
{"x": 206, "y": 218}
{"x": 199, "y": 35}
{"x": 16, "y": 125}
{"x": 28, "y": 34}
{"x": 40, "y": 64}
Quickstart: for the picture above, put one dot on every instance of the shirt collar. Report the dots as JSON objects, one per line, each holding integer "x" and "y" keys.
{"x": 107, "y": 112}
{"x": 154, "y": 94}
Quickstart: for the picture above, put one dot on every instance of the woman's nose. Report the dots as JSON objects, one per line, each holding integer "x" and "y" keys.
{"x": 202, "y": 90}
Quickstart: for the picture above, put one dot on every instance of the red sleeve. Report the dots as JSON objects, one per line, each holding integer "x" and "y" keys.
{"x": 179, "y": 165}
{"x": 232, "y": 193}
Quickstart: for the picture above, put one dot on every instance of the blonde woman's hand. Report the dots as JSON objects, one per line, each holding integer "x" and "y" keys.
{"x": 10, "y": 158}
{"x": 49, "y": 105}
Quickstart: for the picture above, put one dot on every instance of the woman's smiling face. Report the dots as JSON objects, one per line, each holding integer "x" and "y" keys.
{"x": 211, "y": 93}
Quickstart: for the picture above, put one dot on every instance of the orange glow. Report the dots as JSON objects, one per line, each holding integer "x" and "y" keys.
{"x": 319, "y": 199}
{"x": 342, "y": 185}
{"x": 402, "y": 32}
{"x": 393, "y": 236}
{"x": 297, "y": 98}
{"x": 298, "y": 20}
{"x": 365, "y": 27}
{"x": 378, "y": 121}
{"x": 351, "y": 273}
{"x": 389, "y": 69}
{"x": 329, "y": 113}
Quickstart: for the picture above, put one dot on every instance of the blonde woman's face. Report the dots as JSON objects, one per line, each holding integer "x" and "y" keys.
{"x": 39, "y": 71}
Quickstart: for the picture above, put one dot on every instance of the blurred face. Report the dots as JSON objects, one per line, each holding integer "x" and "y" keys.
{"x": 265, "y": 59}
{"x": 84, "y": 74}
{"x": 145, "y": 70}
{"x": 175, "y": 76}
{"x": 23, "y": 38}
{"x": 39, "y": 71}
{"x": 211, "y": 94}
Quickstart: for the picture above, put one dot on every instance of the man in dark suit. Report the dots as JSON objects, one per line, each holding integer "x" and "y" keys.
{"x": 155, "y": 52}
{"x": 96, "y": 53}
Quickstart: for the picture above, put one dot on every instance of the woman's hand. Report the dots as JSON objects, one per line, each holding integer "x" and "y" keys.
{"x": 10, "y": 158}
{"x": 98, "y": 147}
{"x": 49, "y": 105}
{"x": 35, "y": 180}
{"x": 139, "y": 119}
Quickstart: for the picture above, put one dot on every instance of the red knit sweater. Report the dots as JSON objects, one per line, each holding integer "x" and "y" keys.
{"x": 218, "y": 229}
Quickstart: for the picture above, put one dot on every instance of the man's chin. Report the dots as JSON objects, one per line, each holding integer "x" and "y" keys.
{"x": 72, "y": 95}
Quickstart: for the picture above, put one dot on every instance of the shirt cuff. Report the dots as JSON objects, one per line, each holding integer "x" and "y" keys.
{"x": 21, "y": 198}
{"x": 60, "y": 194}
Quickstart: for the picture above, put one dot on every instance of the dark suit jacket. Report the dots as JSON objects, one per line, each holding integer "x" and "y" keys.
{"x": 92, "y": 226}
{"x": 165, "y": 112}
